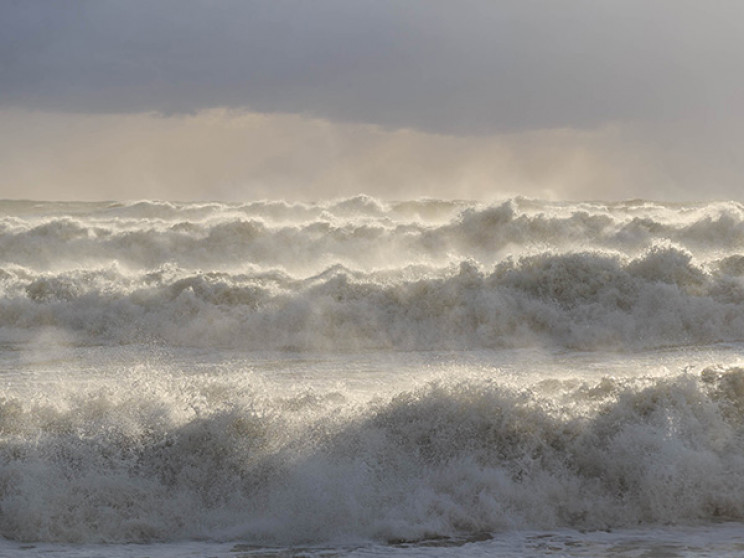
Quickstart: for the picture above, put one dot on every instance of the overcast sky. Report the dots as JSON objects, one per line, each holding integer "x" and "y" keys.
{"x": 308, "y": 99}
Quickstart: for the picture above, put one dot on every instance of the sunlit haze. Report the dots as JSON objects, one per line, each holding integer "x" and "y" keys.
{"x": 196, "y": 100}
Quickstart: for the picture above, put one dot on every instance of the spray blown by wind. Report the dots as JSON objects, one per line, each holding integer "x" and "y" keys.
{"x": 359, "y": 370}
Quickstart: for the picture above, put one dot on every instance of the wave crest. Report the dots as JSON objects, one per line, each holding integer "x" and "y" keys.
{"x": 447, "y": 459}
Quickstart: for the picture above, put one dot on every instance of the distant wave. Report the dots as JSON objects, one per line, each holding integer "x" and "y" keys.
{"x": 360, "y": 233}
{"x": 366, "y": 274}
{"x": 204, "y": 458}
{"x": 574, "y": 300}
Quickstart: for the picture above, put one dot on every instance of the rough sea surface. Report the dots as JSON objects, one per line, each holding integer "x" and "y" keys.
{"x": 423, "y": 378}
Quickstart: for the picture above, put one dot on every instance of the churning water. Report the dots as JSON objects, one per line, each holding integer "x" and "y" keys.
{"x": 395, "y": 378}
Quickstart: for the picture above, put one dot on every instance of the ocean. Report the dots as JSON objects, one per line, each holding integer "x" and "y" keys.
{"x": 364, "y": 377}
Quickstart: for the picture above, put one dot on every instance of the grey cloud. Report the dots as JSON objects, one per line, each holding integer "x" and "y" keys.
{"x": 465, "y": 67}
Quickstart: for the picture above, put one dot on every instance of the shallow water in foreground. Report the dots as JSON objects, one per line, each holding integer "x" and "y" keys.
{"x": 725, "y": 540}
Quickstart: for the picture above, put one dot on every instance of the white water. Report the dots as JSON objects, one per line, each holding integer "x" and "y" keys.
{"x": 358, "y": 376}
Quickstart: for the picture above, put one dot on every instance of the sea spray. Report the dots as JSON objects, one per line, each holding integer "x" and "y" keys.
{"x": 578, "y": 300}
{"x": 367, "y": 372}
{"x": 216, "y": 458}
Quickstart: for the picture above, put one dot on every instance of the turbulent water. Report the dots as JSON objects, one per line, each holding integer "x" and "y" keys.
{"x": 361, "y": 376}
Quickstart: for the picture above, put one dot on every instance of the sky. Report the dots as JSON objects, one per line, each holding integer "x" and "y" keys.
{"x": 308, "y": 100}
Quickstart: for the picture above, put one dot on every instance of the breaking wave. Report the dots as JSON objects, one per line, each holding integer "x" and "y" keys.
{"x": 360, "y": 233}
{"x": 223, "y": 460}
{"x": 582, "y": 300}
{"x": 363, "y": 274}
{"x": 95, "y": 449}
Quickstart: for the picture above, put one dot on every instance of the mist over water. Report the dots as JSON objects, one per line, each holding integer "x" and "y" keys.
{"x": 367, "y": 372}
{"x": 361, "y": 274}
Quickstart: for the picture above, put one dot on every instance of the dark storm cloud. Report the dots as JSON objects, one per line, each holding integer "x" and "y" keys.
{"x": 453, "y": 67}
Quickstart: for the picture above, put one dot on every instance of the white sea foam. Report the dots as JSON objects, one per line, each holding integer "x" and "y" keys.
{"x": 98, "y": 448}
{"x": 225, "y": 458}
{"x": 583, "y": 300}
{"x": 359, "y": 233}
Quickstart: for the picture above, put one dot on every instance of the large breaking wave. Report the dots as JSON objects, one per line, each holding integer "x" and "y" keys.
{"x": 362, "y": 274}
{"x": 222, "y": 460}
{"x": 95, "y": 449}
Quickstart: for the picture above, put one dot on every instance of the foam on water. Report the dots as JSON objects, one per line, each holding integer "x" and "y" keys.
{"x": 157, "y": 458}
{"x": 582, "y": 300}
{"x": 111, "y": 431}
{"x": 359, "y": 233}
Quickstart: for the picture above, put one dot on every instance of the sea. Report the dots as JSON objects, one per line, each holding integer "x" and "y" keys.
{"x": 363, "y": 377}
